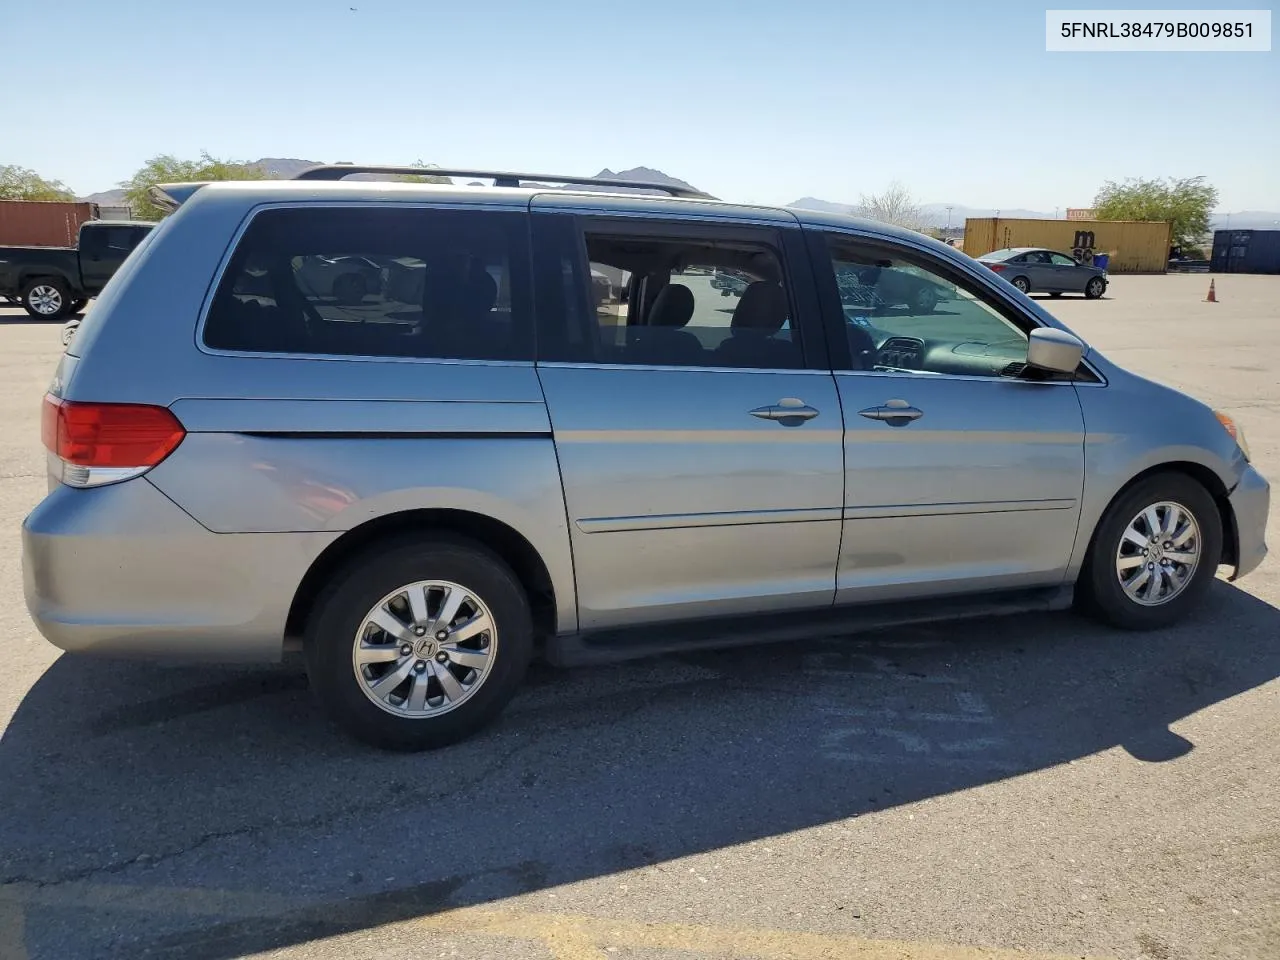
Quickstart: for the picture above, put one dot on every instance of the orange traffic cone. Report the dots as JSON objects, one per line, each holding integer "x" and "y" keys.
{"x": 1212, "y": 297}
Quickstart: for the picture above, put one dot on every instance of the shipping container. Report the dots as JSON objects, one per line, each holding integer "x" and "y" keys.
{"x": 42, "y": 223}
{"x": 1133, "y": 246}
{"x": 1246, "y": 251}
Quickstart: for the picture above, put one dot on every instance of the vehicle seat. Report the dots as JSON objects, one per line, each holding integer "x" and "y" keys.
{"x": 458, "y": 313}
{"x": 752, "y": 340}
{"x": 663, "y": 342}
{"x": 256, "y": 327}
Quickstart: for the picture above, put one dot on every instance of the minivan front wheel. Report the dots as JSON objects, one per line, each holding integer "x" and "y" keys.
{"x": 419, "y": 644}
{"x": 1154, "y": 554}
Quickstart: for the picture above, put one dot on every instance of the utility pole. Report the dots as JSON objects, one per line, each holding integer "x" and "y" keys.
{"x": 948, "y": 218}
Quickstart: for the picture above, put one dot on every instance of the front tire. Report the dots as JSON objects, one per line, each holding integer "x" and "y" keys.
{"x": 46, "y": 299}
{"x": 1022, "y": 283}
{"x": 77, "y": 306}
{"x": 1095, "y": 288}
{"x": 1153, "y": 555}
{"x": 418, "y": 644}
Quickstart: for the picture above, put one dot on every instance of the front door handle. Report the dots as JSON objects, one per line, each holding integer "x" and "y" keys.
{"x": 896, "y": 413}
{"x": 788, "y": 411}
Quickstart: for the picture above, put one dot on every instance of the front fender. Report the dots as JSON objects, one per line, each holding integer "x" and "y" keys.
{"x": 1133, "y": 426}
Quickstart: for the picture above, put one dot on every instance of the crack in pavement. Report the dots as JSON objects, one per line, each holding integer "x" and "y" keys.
{"x": 398, "y": 797}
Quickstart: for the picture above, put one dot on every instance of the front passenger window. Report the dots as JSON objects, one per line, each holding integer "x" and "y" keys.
{"x": 903, "y": 314}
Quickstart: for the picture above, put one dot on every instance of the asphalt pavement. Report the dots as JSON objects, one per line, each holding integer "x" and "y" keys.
{"x": 1035, "y": 787}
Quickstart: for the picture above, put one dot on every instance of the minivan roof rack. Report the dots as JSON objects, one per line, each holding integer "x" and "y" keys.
{"x": 336, "y": 171}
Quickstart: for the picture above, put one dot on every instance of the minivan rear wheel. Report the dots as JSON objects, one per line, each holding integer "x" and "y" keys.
{"x": 417, "y": 645}
{"x": 1153, "y": 555}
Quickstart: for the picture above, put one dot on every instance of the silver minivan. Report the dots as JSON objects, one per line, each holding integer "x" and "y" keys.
{"x": 401, "y": 428}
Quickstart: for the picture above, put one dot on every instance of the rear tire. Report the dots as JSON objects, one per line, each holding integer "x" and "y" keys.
{"x": 1022, "y": 283}
{"x": 351, "y": 660}
{"x": 46, "y": 299}
{"x": 924, "y": 300}
{"x": 1124, "y": 548}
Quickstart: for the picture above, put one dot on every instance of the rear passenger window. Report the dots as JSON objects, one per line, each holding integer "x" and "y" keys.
{"x": 121, "y": 239}
{"x": 688, "y": 303}
{"x": 377, "y": 283}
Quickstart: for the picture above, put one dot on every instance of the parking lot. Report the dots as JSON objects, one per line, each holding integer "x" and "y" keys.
{"x": 1038, "y": 787}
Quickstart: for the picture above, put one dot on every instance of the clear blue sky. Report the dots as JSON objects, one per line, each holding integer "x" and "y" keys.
{"x": 754, "y": 100}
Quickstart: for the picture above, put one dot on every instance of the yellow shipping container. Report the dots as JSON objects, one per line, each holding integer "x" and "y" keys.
{"x": 1134, "y": 246}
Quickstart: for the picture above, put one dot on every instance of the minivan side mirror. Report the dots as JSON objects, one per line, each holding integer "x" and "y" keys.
{"x": 1054, "y": 350}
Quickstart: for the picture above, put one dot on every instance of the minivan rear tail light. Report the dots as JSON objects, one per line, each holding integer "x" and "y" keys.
{"x": 97, "y": 443}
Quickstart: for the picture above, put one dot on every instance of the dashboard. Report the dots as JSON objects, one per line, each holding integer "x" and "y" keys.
{"x": 935, "y": 355}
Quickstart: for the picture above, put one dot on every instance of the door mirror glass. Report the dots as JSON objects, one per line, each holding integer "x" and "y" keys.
{"x": 1054, "y": 350}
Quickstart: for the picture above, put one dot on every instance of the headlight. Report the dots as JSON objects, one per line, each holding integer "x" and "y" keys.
{"x": 1236, "y": 433}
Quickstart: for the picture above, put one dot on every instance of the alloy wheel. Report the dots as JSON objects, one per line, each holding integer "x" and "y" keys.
{"x": 424, "y": 649}
{"x": 45, "y": 300}
{"x": 1158, "y": 553}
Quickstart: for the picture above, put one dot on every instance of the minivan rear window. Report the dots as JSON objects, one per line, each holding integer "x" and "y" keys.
{"x": 376, "y": 282}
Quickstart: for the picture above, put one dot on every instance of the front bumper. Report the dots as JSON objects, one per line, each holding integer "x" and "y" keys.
{"x": 1250, "y": 503}
{"x": 122, "y": 570}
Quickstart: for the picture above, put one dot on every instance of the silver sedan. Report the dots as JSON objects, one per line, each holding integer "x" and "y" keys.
{"x": 1035, "y": 270}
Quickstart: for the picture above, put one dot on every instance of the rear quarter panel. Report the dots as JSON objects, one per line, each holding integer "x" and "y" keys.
{"x": 311, "y": 444}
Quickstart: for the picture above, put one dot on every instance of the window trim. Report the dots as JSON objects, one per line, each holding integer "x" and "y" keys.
{"x": 785, "y": 241}
{"x": 984, "y": 288}
{"x": 258, "y": 209}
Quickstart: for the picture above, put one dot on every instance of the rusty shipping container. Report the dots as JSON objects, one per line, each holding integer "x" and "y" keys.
{"x": 1133, "y": 246}
{"x": 42, "y": 223}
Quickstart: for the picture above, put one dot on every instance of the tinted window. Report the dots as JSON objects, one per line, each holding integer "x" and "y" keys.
{"x": 119, "y": 239}
{"x": 1061, "y": 259}
{"x": 681, "y": 302}
{"x": 376, "y": 282}
{"x": 905, "y": 313}
{"x": 1037, "y": 256}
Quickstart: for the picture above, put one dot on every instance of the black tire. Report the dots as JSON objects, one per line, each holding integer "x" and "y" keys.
{"x": 924, "y": 300}
{"x": 77, "y": 306}
{"x": 1099, "y": 592}
{"x": 1022, "y": 283}
{"x": 1095, "y": 288}
{"x": 355, "y": 590}
{"x": 37, "y": 294}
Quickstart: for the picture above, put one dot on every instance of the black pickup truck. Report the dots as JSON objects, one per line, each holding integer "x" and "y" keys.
{"x": 51, "y": 282}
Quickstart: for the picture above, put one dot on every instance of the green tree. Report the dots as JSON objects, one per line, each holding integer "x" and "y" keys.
{"x": 19, "y": 183}
{"x": 167, "y": 168}
{"x": 1186, "y": 203}
{"x": 425, "y": 178}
